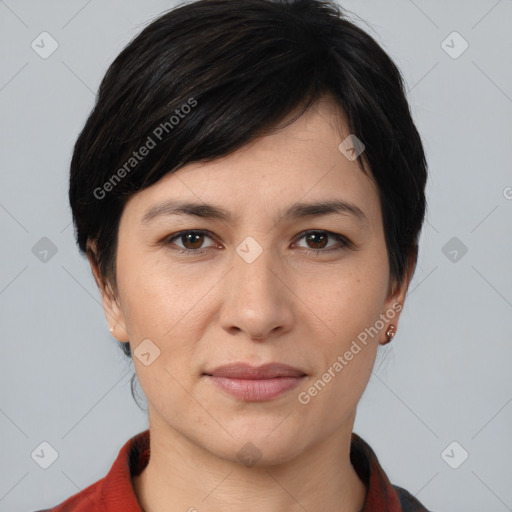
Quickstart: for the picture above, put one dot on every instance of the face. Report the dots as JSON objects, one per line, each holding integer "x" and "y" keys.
{"x": 259, "y": 285}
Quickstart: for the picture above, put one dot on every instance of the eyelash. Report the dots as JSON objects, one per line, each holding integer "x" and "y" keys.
{"x": 345, "y": 243}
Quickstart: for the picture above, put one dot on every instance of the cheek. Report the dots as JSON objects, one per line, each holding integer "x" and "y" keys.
{"x": 163, "y": 308}
{"x": 348, "y": 299}
{"x": 152, "y": 293}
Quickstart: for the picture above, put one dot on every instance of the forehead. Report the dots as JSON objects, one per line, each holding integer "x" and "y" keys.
{"x": 301, "y": 162}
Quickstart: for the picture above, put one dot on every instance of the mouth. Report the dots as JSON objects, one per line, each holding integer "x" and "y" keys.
{"x": 255, "y": 384}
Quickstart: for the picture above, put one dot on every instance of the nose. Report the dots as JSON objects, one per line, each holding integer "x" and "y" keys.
{"x": 257, "y": 297}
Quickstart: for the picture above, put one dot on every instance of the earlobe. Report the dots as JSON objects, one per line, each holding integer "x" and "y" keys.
{"x": 396, "y": 299}
{"x": 112, "y": 310}
{"x": 114, "y": 316}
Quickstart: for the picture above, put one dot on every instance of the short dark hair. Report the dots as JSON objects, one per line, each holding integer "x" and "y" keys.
{"x": 207, "y": 77}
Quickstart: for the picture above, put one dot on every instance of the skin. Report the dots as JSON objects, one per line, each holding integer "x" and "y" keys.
{"x": 290, "y": 305}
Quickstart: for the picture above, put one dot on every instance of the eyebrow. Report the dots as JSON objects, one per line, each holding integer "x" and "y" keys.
{"x": 210, "y": 211}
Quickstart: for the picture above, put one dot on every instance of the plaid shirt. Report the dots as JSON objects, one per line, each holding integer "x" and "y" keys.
{"x": 114, "y": 492}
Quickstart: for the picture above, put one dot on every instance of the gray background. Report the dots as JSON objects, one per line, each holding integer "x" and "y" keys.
{"x": 444, "y": 378}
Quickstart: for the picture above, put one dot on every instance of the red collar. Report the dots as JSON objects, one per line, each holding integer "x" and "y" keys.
{"x": 114, "y": 492}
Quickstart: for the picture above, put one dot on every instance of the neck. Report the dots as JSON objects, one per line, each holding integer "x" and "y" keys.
{"x": 182, "y": 476}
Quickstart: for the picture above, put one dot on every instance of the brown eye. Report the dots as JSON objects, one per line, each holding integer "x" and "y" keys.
{"x": 318, "y": 240}
{"x": 192, "y": 241}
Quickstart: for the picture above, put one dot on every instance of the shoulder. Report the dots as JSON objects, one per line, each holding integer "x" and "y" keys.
{"x": 408, "y": 502}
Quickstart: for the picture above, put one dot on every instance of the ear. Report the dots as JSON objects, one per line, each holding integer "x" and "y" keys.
{"x": 396, "y": 297}
{"x": 111, "y": 308}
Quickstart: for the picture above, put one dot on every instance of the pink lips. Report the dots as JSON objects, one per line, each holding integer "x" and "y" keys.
{"x": 256, "y": 383}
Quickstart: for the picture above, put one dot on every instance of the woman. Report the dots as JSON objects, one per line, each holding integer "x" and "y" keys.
{"x": 249, "y": 191}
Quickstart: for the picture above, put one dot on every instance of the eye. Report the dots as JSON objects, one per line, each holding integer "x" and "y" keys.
{"x": 319, "y": 240}
{"x": 192, "y": 241}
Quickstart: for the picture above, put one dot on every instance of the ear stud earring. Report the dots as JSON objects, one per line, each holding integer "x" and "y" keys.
{"x": 390, "y": 333}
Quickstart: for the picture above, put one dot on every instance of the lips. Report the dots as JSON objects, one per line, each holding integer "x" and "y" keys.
{"x": 255, "y": 384}
{"x": 246, "y": 371}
